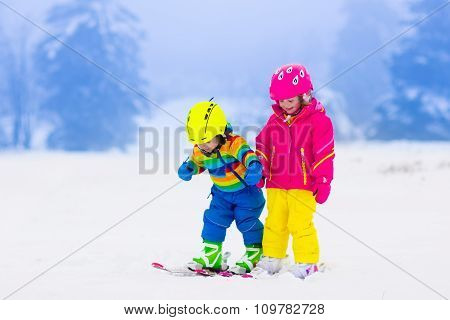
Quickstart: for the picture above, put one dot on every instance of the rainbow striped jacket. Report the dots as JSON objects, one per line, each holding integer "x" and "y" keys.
{"x": 236, "y": 154}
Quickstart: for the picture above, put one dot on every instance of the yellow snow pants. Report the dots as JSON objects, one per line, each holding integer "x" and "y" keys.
{"x": 291, "y": 212}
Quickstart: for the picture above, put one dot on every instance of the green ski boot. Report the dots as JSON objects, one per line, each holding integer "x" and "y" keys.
{"x": 249, "y": 260}
{"x": 210, "y": 258}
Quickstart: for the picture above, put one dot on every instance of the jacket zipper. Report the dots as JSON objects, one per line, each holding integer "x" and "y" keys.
{"x": 290, "y": 154}
{"x": 302, "y": 152}
{"x": 271, "y": 162}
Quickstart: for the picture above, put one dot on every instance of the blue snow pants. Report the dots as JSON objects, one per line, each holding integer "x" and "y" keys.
{"x": 243, "y": 206}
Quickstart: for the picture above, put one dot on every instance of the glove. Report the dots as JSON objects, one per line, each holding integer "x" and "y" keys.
{"x": 185, "y": 172}
{"x": 321, "y": 192}
{"x": 253, "y": 173}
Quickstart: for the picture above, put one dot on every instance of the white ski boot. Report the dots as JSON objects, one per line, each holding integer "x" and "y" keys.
{"x": 270, "y": 265}
{"x": 303, "y": 270}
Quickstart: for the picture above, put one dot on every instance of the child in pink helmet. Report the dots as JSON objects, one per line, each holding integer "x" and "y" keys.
{"x": 296, "y": 148}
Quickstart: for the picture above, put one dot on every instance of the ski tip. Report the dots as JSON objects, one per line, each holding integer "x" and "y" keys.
{"x": 202, "y": 272}
{"x": 246, "y": 275}
{"x": 157, "y": 265}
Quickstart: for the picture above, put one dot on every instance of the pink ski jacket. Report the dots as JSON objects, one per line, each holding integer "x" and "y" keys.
{"x": 297, "y": 153}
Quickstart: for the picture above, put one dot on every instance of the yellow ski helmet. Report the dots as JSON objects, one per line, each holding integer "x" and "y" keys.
{"x": 205, "y": 120}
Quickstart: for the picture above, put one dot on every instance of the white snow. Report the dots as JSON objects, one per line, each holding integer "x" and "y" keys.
{"x": 391, "y": 196}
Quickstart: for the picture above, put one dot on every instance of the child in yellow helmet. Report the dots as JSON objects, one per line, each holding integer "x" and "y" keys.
{"x": 235, "y": 170}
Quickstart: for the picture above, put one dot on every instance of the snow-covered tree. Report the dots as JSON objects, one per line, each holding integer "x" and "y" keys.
{"x": 14, "y": 84}
{"x": 5, "y": 108}
{"x": 19, "y": 90}
{"x": 87, "y": 108}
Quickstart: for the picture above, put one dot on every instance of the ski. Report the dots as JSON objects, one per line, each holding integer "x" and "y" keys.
{"x": 186, "y": 271}
{"x": 180, "y": 272}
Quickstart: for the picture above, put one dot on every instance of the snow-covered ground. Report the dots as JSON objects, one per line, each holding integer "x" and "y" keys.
{"x": 393, "y": 197}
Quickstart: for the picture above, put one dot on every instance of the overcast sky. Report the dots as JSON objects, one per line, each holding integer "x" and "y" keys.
{"x": 220, "y": 44}
{"x": 228, "y": 49}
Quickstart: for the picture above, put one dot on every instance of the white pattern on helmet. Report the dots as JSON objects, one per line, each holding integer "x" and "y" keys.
{"x": 280, "y": 76}
{"x": 289, "y": 70}
{"x": 276, "y": 71}
{"x": 295, "y": 80}
{"x": 302, "y": 73}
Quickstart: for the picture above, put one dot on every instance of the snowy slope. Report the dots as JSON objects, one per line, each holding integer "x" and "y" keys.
{"x": 390, "y": 196}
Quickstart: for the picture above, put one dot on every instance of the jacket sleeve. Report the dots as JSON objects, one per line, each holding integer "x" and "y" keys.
{"x": 195, "y": 162}
{"x": 242, "y": 151}
{"x": 263, "y": 149}
{"x": 323, "y": 150}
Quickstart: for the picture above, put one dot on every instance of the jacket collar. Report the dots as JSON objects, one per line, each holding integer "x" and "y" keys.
{"x": 314, "y": 107}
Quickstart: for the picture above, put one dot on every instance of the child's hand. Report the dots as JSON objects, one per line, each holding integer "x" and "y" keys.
{"x": 322, "y": 191}
{"x": 185, "y": 172}
{"x": 261, "y": 183}
{"x": 254, "y": 173}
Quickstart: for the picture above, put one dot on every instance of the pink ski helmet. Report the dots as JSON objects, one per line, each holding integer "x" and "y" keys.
{"x": 289, "y": 81}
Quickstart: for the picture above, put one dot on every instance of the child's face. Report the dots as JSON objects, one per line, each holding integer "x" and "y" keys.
{"x": 290, "y": 106}
{"x": 208, "y": 147}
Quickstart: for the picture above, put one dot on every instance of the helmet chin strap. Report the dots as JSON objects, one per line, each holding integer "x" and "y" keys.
{"x": 222, "y": 141}
{"x": 289, "y": 116}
